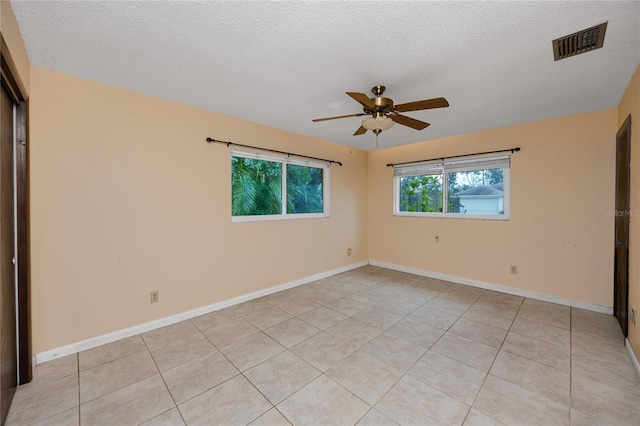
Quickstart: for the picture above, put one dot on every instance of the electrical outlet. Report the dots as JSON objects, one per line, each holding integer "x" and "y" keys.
{"x": 514, "y": 269}
{"x": 154, "y": 296}
{"x": 634, "y": 316}
{"x": 348, "y": 252}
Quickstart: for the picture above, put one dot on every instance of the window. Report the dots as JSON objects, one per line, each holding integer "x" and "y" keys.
{"x": 257, "y": 183}
{"x": 476, "y": 188}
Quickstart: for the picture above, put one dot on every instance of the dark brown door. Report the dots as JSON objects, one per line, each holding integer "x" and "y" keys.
{"x": 8, "y": 341}
{"x": 621, "y": 259}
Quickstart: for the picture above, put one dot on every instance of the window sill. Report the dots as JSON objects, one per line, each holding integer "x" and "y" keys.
{"x": 499, "y": 217}
{"x": 276, "y": 217}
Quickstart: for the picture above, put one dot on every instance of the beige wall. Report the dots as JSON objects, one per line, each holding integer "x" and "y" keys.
{"x": 126, "y": 197}
{"x": 630, "y": 104}
{"x": 558, "y": 236}
{"x": 17, "y": 54}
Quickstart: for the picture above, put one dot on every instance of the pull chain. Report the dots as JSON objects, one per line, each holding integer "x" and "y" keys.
{"x": 377, "y": 132}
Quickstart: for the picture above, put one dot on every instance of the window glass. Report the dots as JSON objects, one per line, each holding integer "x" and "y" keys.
{"x": 421, "y": 193}
{"x": 304, "y": 189}
{"x": 476, "y": 188}
{"x": 256, "y": 187}
{"x": 476, "y": 192}
{"x": 257, "y": 183}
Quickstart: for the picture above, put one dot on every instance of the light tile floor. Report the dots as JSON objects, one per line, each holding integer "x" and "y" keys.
{"x": 368, "y": 347}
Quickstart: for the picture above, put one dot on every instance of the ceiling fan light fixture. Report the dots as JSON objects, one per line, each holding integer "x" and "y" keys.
{"x": 378, "y": 123}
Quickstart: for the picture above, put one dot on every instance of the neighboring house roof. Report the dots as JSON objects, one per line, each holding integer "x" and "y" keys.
{"x": 498, "y": 186}
{"x": 480, "y": 190}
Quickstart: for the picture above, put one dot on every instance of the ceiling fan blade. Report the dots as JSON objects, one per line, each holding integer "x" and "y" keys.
{"x": 409, "y": 122}
{"x": 363, "y": 99}
{"x": 425, "y": 104}
{"x": 360, "y": 114}
{"x": 361, "y": 131}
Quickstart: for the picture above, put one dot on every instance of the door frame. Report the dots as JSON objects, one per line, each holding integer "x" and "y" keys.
{"x": 621, "y": 242}
{"x": 19, "y": 96}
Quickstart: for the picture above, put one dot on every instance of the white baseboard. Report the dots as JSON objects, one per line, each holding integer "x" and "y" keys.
{"x": 496, "y": 287}
{"x": 632, "y": 355}
{"x": 152, "y": 325}
{"x": 162, "y": 322}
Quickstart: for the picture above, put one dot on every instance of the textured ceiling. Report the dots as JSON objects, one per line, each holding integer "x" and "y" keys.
{"x": 284, "y": 63}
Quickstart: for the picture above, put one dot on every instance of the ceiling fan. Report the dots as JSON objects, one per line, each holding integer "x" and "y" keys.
{"x": 384, "y": 114}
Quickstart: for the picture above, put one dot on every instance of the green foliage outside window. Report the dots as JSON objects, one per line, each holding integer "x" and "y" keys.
{"x": 424, "y": 193}
{"x": 256, "y": 188}
{"x": 421, "y": 193}
{"x": 304, "y": 189}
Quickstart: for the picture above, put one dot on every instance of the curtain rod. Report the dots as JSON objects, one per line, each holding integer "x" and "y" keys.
{"x": 211, "y": 140}
{"x": 512, "y": 150}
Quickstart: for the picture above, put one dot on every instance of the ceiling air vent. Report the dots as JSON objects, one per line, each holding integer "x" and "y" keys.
{"x": 580, "y": 42}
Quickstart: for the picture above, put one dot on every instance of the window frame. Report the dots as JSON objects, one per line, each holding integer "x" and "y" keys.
{"x": 455, "y": 166}
{"x": 284, "y": 160}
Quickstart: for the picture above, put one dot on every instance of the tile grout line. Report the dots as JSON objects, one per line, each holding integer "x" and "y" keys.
{"x": 79, "y": 402}
{"x": 175, "y": 405}
{"x": 78, "y": 372}
{"x": 371, "y": 407}
{"x": 494, "y": 359}
{"x": 403, "y": 374}
{"x": 538, "y": 361}
{"x": 241, "y": 373}
{"x": 259, "y": 391}
{"x": 323, "y": 373}
{"x": 570, "y": 361}
{"x": 62, "y": 377}
{"x": 130, "y": 384}
{"x": 433, "y": 344}
{"x": 412, "y": 365}
{"x": 492, "y": 363}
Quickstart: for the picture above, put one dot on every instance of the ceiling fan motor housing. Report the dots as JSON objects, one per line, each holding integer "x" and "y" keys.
{"x": 383, "y": 105}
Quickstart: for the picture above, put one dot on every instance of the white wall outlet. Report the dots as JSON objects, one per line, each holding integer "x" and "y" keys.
{"x": 514, "y": 269}
{"x": 634, "y": 316}
{"x": 348, "y": 252}
{"x": 154, "y": 297}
